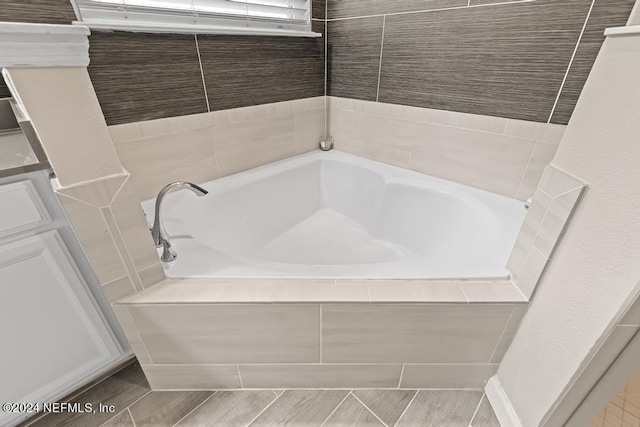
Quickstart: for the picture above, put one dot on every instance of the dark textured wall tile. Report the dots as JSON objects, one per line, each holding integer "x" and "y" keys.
{"x": 354, "y": 57}
{"x": 352, "y": 8}
{"x": 483, "y": 2}
{"x": 4, "y": 90}
{"x": 145, "y": 76}
{"x": 250, "y": 70}
{"x": 37, "y": 11}
{"x": 605, "y": 14}
{"x": 504, "y": 60}
{"x": 319, "y": 9}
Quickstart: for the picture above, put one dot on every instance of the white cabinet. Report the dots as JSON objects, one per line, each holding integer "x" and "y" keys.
{"x": 52, "y": 333}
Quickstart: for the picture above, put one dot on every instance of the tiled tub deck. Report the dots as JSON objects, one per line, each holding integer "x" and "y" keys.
{"x": 209, "y": 334}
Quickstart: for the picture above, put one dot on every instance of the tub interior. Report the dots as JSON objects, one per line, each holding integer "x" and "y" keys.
{"x": 330, "y": 217}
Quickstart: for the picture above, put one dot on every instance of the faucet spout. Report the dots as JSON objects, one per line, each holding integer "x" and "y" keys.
{"x": 157, "y": 231}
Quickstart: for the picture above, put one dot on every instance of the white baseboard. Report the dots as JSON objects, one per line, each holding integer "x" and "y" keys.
{"x": 501, "y": 404}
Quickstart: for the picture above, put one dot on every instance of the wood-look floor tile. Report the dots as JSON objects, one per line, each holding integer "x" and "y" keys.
{"x": 165, "y": 408}
{"x": 388, "y": 405}
{"x": 123, "y": 419}
{"x": 485, "y": 417}
{"x": 301, "y": 408}
{"x": 441, "y": 408}
{"x": 229, "y": 408}
{"x": 121, "y": 390}
{"x": 352, "y": 413}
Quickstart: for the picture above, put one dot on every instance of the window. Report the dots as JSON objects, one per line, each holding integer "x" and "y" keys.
{"x": 269, "y": 17}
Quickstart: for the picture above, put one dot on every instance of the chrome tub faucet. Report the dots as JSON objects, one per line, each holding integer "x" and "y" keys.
{"x": 158, "y": 233}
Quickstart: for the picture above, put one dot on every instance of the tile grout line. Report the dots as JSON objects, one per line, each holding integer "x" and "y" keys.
{"x": 265, "y": 408}
{"x": 526, "y": 168}
{"x": 476, "y": 411}
{"x": 204, "y": 84}
{"x": 368, "y": 409}
{"x": 129, "y": 406}
{"x": 407, "y": 408}
{"x": 239, "y": 376}
{"x": 131, "y": 270}
{"x": 401, "y": 375}
{"x": 320, "y": 332}
{"x": 335, "y": 409}
{"x": 384, "y": 22}
{"x": 140, "y": 336}
{"x": 192, "y": 411}
{"x": 575, "y": 51}
{"x": 131, "y": 416}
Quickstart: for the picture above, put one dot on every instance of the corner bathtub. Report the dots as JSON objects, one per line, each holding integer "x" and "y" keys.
{"x": 334, "y": 215}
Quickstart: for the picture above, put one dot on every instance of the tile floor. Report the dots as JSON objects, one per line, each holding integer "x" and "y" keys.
{"x": 624, "y": 409}
{"x": 136, "y": 405}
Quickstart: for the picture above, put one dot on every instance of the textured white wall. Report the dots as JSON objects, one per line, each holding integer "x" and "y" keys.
{"x": 595, "y": 267}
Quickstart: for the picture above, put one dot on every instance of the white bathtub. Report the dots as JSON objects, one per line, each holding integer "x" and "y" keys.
{"x": 331, "y": 214}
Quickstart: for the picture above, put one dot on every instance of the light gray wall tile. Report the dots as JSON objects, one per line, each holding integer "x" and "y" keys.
{"x": 540, "y": 157}
{"x": 354, "y": 57}
{"x": 488, "y": 161}
{"x": 133, "y": 226}
{"x": 192, "y": 377}
{"x": 505, "y": 60}
{"x": 131, "y": 332}
{"x": 93, "y": 233}
{"x": 152, "y": 275}
{"x": 532, "y": 269}
{"x": 309, "y": 128}
{"x": 509, "y": 333}
{"x": 118, "y": 288}
{"x": 447, "y": 376}
{"x": 155, "y": 162}
{"x": 414, "y": 290}
{"x": 492, "y": 292}
{"x": 244, "y": 145}
{"x": 320, "y": 376}
{"x": 555, "y": 182}
{"x": 381, "y": 138}
{"x": 215, "y": 334}
{"x": 528, "y": 232}
{"x": 391, "y": 333}
{"x": 555, "y": 221}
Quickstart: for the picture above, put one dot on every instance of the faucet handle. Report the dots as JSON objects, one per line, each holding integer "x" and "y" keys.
{"x": 168, "y": 254}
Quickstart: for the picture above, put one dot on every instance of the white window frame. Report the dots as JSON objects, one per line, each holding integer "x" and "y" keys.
{"x": 111, "y": 16}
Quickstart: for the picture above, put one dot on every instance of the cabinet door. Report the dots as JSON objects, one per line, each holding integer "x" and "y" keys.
{"x": 52, "y": 335}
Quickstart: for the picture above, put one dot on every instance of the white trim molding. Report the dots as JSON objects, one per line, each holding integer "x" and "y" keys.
{"x": 43, "y": 45}
{"x": 501, "y": 404}
{"x": 622, "y": 31}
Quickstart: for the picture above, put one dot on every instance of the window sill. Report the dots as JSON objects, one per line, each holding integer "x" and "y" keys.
{"x": 195, "y": 29}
